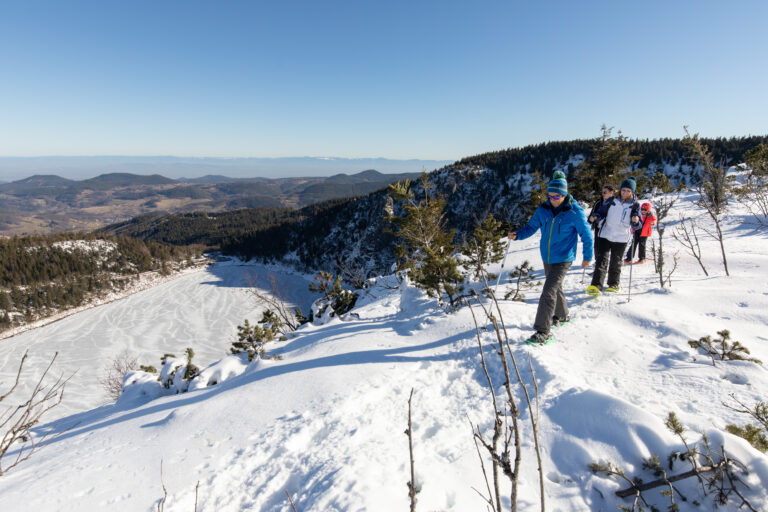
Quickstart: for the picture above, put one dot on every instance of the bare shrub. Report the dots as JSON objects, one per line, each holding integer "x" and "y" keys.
{"x": 663, "y": 270}
{"x": 276, "y": 302}
{"x": 111, "y": 380}
{"x": 352, "y": 272}
{"x": 506, "y": 444}
{"x": 18, "y": 419}
{"x": 685, "y": 233}
{"x": 413, "y": 487}
{"x": 720, "y": 476}
{"x": 713, "y": 189}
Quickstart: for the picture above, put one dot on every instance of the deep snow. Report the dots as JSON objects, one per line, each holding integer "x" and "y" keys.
{"x": 326, "y": 422}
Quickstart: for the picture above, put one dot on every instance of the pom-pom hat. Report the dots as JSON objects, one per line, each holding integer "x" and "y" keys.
{"x": 558, "y": 184}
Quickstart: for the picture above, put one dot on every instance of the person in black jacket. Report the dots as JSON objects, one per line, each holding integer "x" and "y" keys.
{"x": 607, "y": 193}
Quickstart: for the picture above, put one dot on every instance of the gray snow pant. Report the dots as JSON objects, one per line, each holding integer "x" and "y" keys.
{"x": 552, "y": 301}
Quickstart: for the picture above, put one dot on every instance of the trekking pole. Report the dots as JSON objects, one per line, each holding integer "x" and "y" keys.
{"x": 583, "y": 273}
{"x": 501, "y": 271}
{"x": 632, "y": 256}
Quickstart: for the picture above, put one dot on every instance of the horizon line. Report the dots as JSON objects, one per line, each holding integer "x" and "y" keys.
{"x": 232, "y": 157}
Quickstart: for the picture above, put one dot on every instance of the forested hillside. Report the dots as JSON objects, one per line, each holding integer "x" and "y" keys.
{"x": 49, "y": 203}
{"x": 353, "y": 233}
{"x": 653, "y": 154}
{"x": 43, "y": 275}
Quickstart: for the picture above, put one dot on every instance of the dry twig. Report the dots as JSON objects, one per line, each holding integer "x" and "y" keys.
{"x": 16, "y": 422}
{"x": 293, "y": 506}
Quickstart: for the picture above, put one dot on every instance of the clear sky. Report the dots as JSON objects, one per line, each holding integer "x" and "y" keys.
{"x": 395, "y": 79}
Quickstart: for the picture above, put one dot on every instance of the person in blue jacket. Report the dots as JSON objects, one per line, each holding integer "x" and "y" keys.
{"x": 562, "y": 222}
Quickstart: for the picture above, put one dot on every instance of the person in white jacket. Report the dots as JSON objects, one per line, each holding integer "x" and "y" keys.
{"x": 620, "y": 216}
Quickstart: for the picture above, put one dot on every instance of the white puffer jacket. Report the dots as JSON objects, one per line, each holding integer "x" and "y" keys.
{"x": 618, "y": 225}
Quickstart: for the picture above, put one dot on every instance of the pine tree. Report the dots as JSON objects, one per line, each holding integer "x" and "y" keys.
{"x": 537, "y": 194}
{"x": 340, "y": 300}
{"x": 5, "y": 301}
{"x": 191, "y": 371}
{"x": 757, "y": 160}
{"x": 427, "y": 245}
{"x": 484, "y": 246}
{"x": 754, "y": 193}
{"x": 722, "y": 348}
{"x": 250, "y": 339}
{"x": 610, "y": 155}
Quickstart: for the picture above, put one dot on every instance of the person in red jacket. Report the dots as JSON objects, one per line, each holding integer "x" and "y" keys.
{"x": 641, "y": 235}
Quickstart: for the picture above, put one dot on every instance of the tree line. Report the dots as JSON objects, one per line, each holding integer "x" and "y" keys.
{"x": 42, "y": 274}
{"x": 351, "y": 232}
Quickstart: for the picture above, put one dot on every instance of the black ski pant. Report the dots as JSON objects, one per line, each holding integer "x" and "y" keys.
{"x": 552, "y": 300}
{"x": 594, "y": 237}
{"x": 638, "y": 247}
{"x": 609, "y": 256}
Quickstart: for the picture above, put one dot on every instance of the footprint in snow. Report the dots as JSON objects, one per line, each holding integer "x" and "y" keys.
{"x": 735, "y": 378}
{"x": 557, "y": 478}
{"x": 161, "y": 422}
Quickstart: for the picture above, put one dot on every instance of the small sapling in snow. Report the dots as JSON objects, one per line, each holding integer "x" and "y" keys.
{"x": 523, "y": 278}
{"x": 722, "y": 349}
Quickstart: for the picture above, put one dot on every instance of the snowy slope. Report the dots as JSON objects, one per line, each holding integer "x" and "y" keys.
{"x": 326, "y": 422}
{"x": 199, "y": 310}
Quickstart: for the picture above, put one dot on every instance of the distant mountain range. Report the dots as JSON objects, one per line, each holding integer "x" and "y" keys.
{"x": 48, "y": 203}
{"x": 82, "y": 167}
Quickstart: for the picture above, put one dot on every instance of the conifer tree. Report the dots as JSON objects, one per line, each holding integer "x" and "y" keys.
{"x": 191, "y": 371}
{"x": 757, "y": 160}
{"x": 341, "y": 300}
{"x": 537, "y": 194}
{"x": 754, "y": 193}
{"x": 484, "y": 246}
{"x": 251, "y": 340}
{"x": 427, "y": 246}
{"x": 610, "y": 155}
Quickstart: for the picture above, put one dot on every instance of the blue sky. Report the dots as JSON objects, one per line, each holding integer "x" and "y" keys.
{"x": 411, "y": 79}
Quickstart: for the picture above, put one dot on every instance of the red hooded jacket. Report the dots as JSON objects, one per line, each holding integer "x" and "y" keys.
{"x": 648, "y": 220}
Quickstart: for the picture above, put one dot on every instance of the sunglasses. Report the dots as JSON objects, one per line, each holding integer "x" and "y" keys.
{"x": 607, "y": 192}
{"x": 554, "y": 197}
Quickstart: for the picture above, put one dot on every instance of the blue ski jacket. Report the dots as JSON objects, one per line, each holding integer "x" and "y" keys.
{"x": 559, "y": 231}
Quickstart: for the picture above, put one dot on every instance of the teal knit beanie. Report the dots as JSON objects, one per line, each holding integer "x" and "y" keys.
{"x": 558, "y": 185}
{"x": 629, "y": 183}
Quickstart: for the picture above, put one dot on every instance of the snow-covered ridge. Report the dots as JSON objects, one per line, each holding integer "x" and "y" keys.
{"x": 325, "y": 423}
{"x": 89, "y": 246}
{"x": 100, "y": 246}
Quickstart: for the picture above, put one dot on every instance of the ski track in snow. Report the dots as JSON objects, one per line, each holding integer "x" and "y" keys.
{"x": 326, "y": 423}
{"x": 199, "y": 310}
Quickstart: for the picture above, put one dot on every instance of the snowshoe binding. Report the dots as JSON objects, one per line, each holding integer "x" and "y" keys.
{"x": 540, "y": 338}
{"x": 593, "y": 291}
